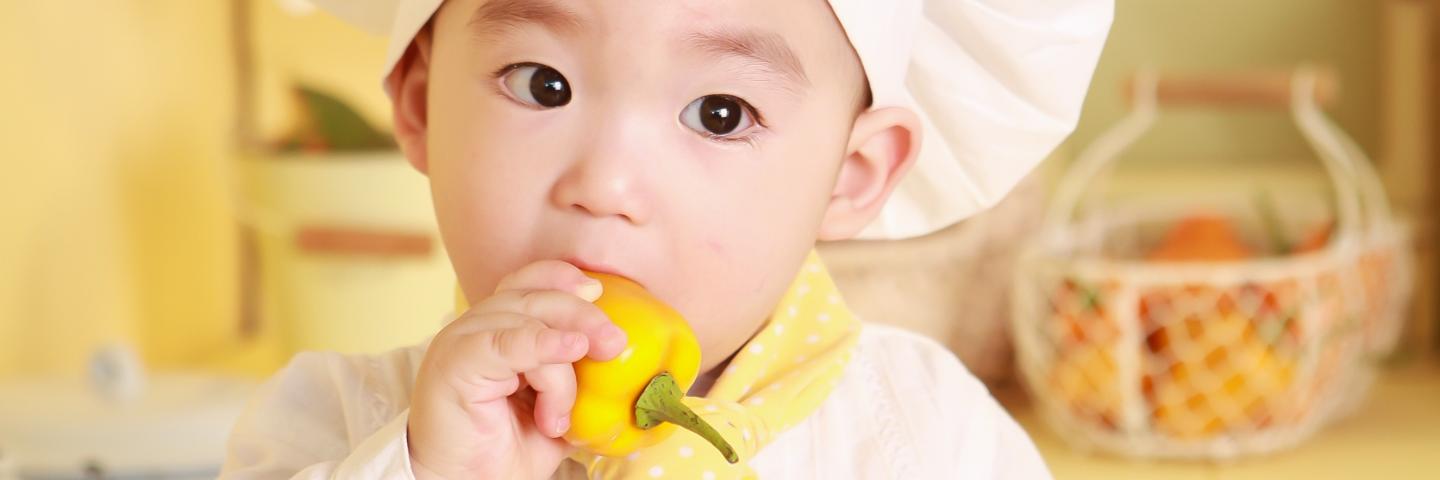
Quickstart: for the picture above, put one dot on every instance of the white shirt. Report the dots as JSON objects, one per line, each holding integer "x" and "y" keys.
{"x": 905, "y": 408}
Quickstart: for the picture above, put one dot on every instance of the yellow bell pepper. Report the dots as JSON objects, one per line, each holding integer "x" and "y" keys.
{"x": 633, "y": 400}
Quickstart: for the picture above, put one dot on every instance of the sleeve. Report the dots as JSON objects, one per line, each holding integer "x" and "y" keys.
{"x": 326, "y": 416}
{"x": 957, "y": 428}
{"x": 1017, "y": 458}
{"x": 990, "y": 443}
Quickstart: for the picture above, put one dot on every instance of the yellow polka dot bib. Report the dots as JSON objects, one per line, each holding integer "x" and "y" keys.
{"x": 773, "y": 383}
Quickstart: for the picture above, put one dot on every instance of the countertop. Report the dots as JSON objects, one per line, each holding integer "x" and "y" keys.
{"x": 1394, "y": 434}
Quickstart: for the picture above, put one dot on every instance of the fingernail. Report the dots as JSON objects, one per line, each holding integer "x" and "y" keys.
{"x": 612, "y": 333}
{"x": 562, "y": 425}
{"x": 590, "y": 290}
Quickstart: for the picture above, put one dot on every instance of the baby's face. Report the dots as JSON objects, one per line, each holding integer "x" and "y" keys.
{"x": 692, "y": 146}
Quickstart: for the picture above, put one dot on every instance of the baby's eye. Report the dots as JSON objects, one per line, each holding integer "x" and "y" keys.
{"x": 537, "y": 85}
{"x": 717, "y": 115}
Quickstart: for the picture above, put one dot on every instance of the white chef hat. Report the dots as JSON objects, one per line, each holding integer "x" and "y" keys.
{"x": 997, "y": 83}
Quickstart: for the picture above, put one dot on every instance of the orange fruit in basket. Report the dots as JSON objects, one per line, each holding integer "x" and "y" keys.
{"x": 1373, "y": 272}
{"x": 1376, "y": 270}
{"x": 1084, "y": 375}
{"x": 1213, "y": 372}
{"x": 1080, "y": 315}
{"x": 1316, "y": 239}
{"x": 1201, "y": 237}
{"x": 1212, "y": 363}
{"x": 1084, "y": 378}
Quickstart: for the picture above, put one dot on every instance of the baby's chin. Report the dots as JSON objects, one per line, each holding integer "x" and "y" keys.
{"x": 718, "y": 345}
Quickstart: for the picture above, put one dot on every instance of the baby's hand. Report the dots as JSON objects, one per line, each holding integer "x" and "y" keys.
{"x": 494, "y": 392}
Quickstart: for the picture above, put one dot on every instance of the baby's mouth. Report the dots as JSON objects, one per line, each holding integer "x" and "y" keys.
{"x": 601, "y": 267}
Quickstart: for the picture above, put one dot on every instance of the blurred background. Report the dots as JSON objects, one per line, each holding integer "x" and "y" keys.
{"x": 1221, "y": 274}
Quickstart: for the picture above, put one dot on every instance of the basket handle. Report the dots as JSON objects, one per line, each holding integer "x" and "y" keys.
{"x": 1259, "y": 89}
{"x": 1327, "y": 141}
{"x": 1351, "y": 175}
{"x": 1096, "y": 159}
{"x": 1369, "y": 204}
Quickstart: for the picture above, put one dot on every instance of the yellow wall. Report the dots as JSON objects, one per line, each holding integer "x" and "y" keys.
{"x": 1227, "y": 34}
{"x": 115, "y": 128}
{"x": 115, "y": 211}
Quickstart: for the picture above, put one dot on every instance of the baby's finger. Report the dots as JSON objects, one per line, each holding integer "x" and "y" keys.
{"x": 503, "y": 353}
{"x": 555, "y": 387}
{"x": 551, "y": 275}
{"x": 562, "y": 311}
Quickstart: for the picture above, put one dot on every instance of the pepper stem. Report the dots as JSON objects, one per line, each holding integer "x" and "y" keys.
{"x": 660, "y": 402}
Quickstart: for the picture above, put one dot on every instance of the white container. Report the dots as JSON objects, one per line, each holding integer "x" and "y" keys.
{"x": 341, "y": 294}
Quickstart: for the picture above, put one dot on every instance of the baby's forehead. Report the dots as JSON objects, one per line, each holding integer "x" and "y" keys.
{"x": 789, "y": 37}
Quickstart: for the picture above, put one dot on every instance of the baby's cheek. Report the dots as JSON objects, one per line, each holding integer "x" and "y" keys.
{"x": 717, "y": 248}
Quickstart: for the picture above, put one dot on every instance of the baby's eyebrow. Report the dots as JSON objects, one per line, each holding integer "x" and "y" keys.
{"x": 495, "y": 16}
{"x": 767, "y": 49}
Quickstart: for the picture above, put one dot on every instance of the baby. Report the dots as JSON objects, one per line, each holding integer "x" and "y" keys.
{"x": 701, "y": 149}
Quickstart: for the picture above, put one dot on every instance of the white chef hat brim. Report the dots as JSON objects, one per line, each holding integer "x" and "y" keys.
{"x": 997, "y": 85}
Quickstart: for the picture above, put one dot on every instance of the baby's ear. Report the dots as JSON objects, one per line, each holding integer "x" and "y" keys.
{"x": 883, "y": 145}
{"x": 408, "y": 86}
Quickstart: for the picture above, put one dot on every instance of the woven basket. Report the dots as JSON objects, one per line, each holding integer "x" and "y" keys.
{"x": 1215, "y": 359}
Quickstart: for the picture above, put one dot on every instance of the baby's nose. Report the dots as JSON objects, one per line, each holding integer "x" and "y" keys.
{"x": 605, "y": 185}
